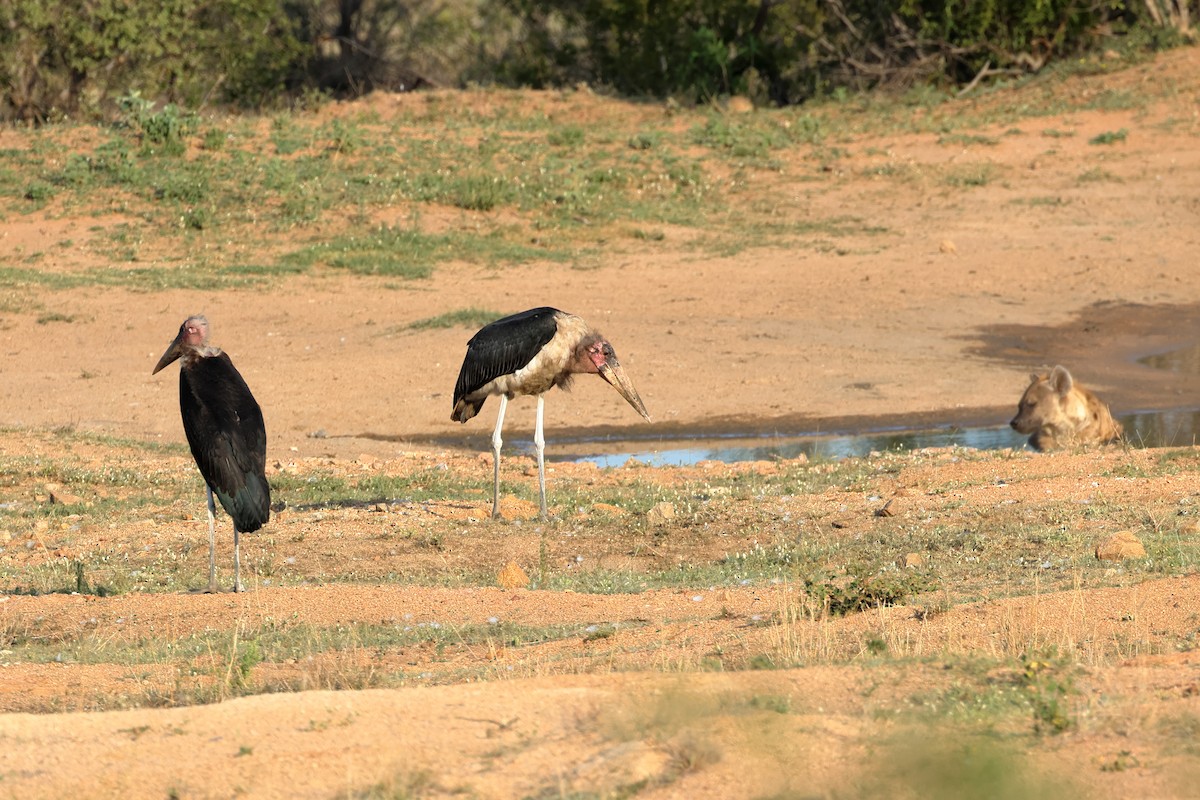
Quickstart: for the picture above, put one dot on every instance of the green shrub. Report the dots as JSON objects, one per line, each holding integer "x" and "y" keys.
{"x": 61, "y": 57}
{"x": 65, "y": 58}
{"x": 700, "y": 48}
{"x": 786, "y": 52}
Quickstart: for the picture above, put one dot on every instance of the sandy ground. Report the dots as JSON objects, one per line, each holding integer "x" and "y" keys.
{"x": 939, "y": 318}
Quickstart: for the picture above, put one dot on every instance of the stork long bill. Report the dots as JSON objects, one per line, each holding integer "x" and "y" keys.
{"x": 174, "y": 351}
{"x": 615, "y": 374}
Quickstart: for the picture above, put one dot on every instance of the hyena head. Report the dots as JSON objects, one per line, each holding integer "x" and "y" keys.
{"x": 1044, "y": 403}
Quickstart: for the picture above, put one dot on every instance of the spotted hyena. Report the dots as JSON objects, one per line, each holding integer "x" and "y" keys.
{"x": 1058, "y": 412}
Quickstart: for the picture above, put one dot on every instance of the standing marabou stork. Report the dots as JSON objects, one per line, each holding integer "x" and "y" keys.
{"x": 530, "y": 353}
{"x": 225, "y": 431}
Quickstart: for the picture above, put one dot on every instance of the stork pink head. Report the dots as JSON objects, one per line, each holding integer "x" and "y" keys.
{"x": 599, "y": 355}
{"x": 194, "y": 331}
{"x": 192, "y": 338}
{"x": 598, "y": 352}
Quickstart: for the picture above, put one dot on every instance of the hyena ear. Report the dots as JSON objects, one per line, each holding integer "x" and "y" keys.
{"x": 1061, "y": 380}
{"x": 1034, "y": 377}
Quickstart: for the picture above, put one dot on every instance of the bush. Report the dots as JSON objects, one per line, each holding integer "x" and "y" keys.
{"x": 65, "y": 57}
{"x": 59, "y": 57}
{"x": 789, "y": 51}
{"x": 699, "y": 48}
{"x": 953, "y": 40}
{"x": 62, "y": 57}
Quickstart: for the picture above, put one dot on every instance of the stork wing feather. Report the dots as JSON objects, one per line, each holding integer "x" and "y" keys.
{"x": 503, "y": 347}
{"x": 228, "y": 438}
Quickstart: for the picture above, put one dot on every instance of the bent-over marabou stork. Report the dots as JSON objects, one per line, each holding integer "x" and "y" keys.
{"x": 225, "y": 431}
{"x": 530, "y": 353}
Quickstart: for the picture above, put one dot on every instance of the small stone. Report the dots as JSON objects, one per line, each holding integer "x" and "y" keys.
{"x": 910, "y": 560}
{"x": 380, "y": 508}
{"x": 662, "y": 512}
{"x": 1120, "y": 546}
{"x": 948, "y": 247}
{"x": 607, "y": 508}
{"x": 840, "y": 523}
{"x": 512, "y": 577}
{"x": 64, "y": 498}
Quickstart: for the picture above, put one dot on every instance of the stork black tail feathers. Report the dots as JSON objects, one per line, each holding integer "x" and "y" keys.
{"x": 464, "y": 409}
{"x": 250, "y": 506}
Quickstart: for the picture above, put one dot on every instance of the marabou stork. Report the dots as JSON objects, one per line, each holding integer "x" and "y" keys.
{"x": 530, "y": 353}
{"x": 225, "y": 431}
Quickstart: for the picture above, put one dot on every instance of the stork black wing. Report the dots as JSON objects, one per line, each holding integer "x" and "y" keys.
{"x": 225, "y": 430}
{"x": 503, "y": 347}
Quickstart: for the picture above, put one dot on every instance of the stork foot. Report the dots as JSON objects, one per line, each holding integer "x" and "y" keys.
{"x": 238, "y": 587}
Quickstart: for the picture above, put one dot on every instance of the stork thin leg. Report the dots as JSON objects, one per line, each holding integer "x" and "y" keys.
{"x": 237, "y": 563}
{"x": 212, "y": 542}
{"x": 496, "y": 442}
{"x": 539, "y": 443}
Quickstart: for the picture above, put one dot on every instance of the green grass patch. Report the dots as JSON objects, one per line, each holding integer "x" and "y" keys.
{"x": 393, "y": 252}
{"x": 409, "y": 254}
{"x": 967, "y": 139}
{"x": 1109, "y": 137}
{"x": 238, "y": 190}
{"x": 967, "y": 176}
{"x": 150, "y": 279}
{"x": 54, "y": 316}
{"x": 1042, "y": 201}
{"x": 1097, "y": 175}
{"x": 478, "y": 192}
{"x": 937, "y": 762}
{"x": 319, "y": 490}
{"x": 459, "y": 318}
